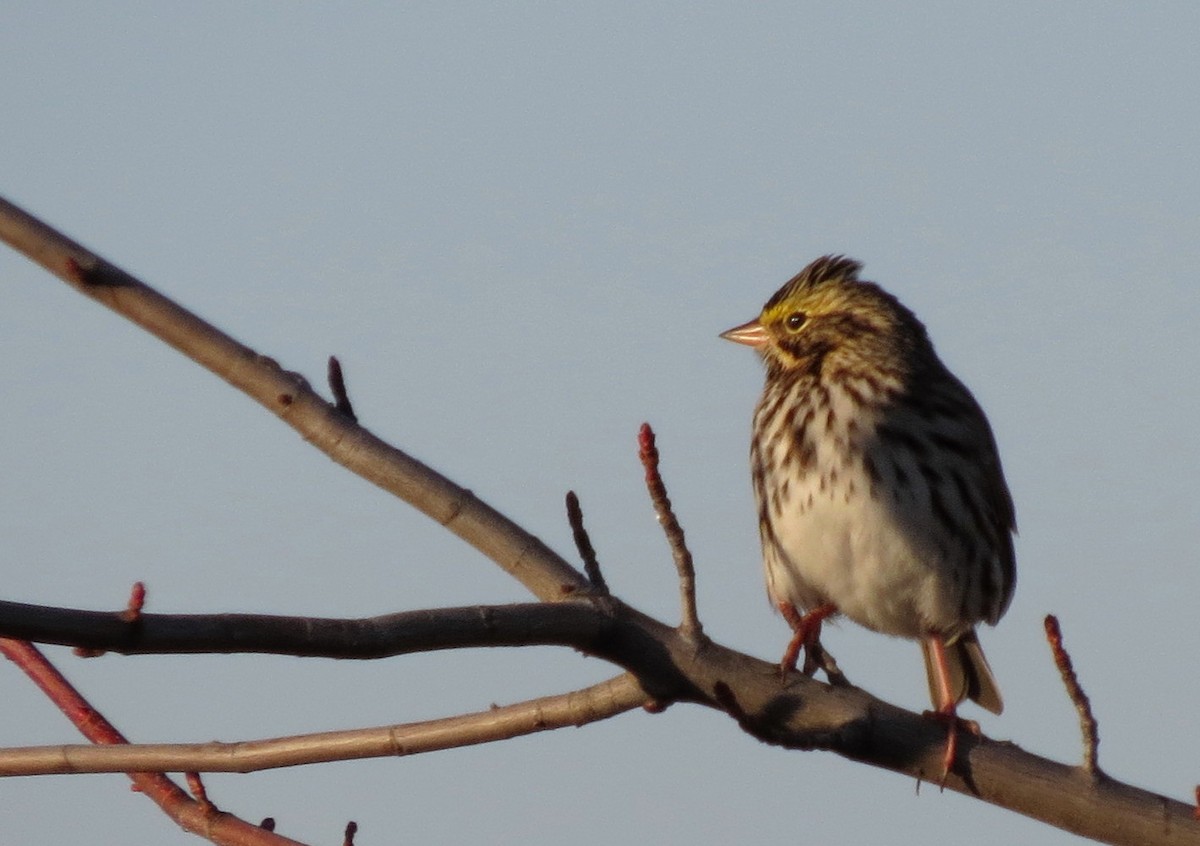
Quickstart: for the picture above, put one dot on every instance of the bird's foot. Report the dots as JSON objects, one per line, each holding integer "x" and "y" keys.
{"x": 806, "y": 635}
{"x": 947, "y": 716}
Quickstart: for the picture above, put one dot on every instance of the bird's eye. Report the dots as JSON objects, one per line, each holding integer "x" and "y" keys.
{"x": 795, "y": 320}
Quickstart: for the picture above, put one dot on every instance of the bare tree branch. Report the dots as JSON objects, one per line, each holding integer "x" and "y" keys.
{"x": 576, "y": 623}
{"x": 195, "y": 815}
{"x": 583, "y": 543}
{"x": 690, "y": 619}
{"x": 577, "y": 708}
{"x": 289, "y": 397}
{"x": 1087, "y": 720}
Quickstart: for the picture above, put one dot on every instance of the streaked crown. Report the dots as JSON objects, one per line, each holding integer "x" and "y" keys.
{"x": 824, "y": 314}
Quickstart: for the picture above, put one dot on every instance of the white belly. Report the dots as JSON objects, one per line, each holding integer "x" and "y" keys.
{"x": 859, "y": 557}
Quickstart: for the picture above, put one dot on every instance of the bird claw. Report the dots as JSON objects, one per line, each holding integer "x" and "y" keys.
{"x": 953, "y": 723}
{"x": 806, "y": 635}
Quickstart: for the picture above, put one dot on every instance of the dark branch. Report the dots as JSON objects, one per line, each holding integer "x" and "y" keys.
{"x": 566, "y": 624}
{"x": 591, "y": 566}
{"x": 337, "y": 384}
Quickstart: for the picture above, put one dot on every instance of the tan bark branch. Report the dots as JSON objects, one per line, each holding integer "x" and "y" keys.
{"x": 289, "y": 396}
{"x": 577, "y": 708}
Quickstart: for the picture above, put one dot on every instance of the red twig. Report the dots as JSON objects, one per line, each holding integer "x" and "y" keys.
{"x": 195, "y": 816}
{"x": 351, "y": 830}
{"x": 1087, "y": 720}
{"x": 196, "y": 787}
{"x": 137, "y": 601}
{"x": 648, "y": 452}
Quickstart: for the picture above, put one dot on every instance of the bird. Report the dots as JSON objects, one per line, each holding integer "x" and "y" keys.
{"x": 878, "y": 483}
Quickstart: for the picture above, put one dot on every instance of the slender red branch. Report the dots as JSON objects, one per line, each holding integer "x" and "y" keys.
{"x": 351, "y": 830}
{"x": 196, "y": 787}
{"x": 195, "y": 816}
{"x": 1087, "y": 720}
{"x": 689, "y": 625}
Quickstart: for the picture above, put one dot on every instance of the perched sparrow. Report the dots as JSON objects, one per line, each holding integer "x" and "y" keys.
{"x": 879, "y": 489}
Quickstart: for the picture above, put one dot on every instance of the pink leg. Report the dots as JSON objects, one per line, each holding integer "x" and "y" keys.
{"x": 806, "y": 635}
{"x": 947, "y": 705}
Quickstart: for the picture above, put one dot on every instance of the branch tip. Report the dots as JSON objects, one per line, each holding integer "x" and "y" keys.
{"x": 583, "y": 543}
{"x": 1087, "y": 720}
{"x": 689, "y": 624}
{"x": 196, "y": 788}
{"x": 137, "y": 601}
{"x": 337, "y": 384}
{"x": 351, "y": 830}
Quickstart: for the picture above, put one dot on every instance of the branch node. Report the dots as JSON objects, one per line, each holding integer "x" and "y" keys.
{"x": 337, "y": 384}
{"x": 137, "y": 601}
{"x": 196, "y": 788}
{"x": 1087, "y": 720}
{"x": 689, "y": 625}
{"x": 132, "y": 616}
{"x": 583, "y": 543}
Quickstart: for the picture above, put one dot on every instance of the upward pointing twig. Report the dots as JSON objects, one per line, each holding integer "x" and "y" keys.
{"x": 1087, "y": 720}
{"x": 591, "y": 566}
{"x": 689, "y": 625}
{"x": 337, "y": 384}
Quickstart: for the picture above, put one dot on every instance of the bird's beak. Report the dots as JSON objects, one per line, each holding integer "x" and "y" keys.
{"x": 752, "y": 334}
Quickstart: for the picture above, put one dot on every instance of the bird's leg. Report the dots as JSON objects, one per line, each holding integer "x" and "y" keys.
{"x": 806, "y": 635}
{"x": 947, "y": 705}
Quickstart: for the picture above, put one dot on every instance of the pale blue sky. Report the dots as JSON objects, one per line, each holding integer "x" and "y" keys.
{"x": 521, "y": 227}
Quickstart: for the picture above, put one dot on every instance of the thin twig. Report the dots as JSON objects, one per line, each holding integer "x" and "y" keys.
{"x": 689, "y": 626}
{"x": 351, "y": 830}
{"x": 337, "y": 384}
{"x": 137, "y": 601}
{"x": 196, "y": 787}
{"x": 191, "y": 814}
{"x": 579, "y": 707}
{"x": 1087, "y": 721}
{"x": 591, "y": 567}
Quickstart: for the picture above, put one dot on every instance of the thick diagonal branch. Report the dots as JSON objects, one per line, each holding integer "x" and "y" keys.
{"x": 290, "y": 397}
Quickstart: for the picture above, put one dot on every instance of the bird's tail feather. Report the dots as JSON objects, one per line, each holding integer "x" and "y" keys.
{"x": 969, "y": 674}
